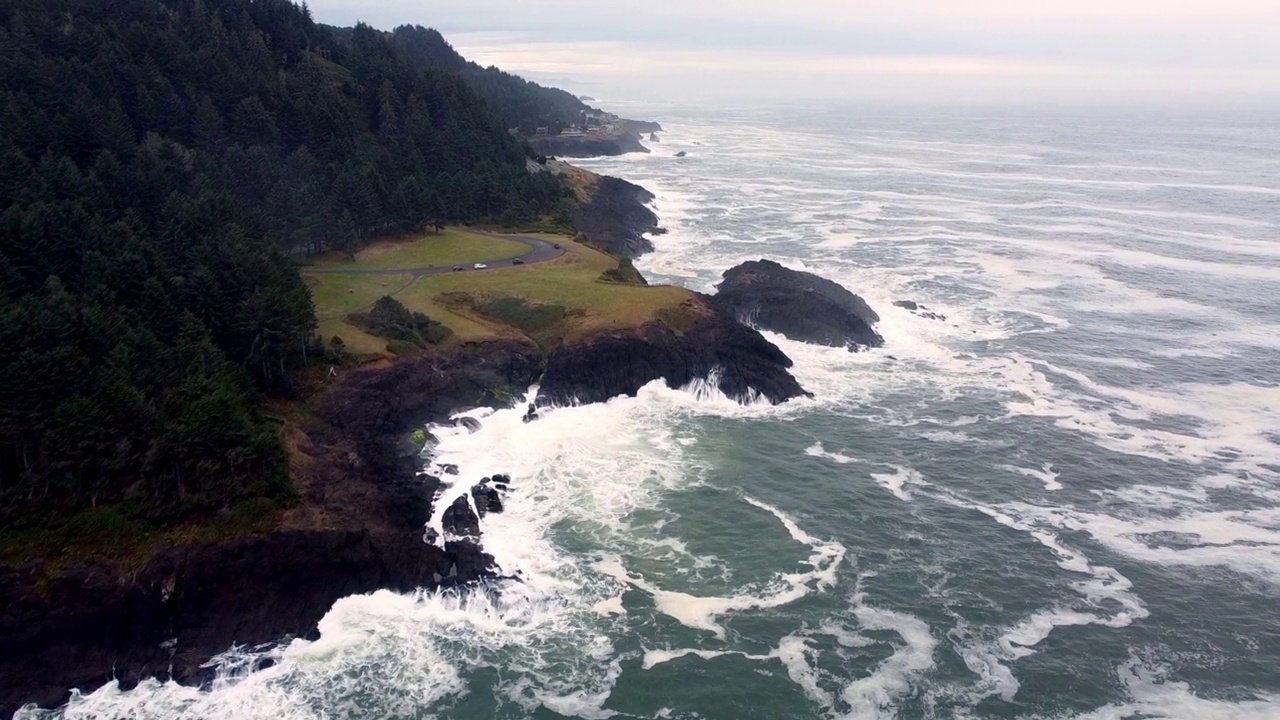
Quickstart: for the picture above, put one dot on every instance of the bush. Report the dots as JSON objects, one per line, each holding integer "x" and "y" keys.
{"x": 520, "y": 314}
{"x": 389, "y": 319}
{"x": 626, "y": 273}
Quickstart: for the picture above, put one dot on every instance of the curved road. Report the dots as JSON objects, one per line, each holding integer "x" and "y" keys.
{"x": 539, "y": 251}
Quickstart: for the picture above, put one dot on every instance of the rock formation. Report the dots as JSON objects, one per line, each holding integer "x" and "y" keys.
{"x": 707, "y": 343}
{"x": 920, "y": 310}
{"x": 800, "y": 305}
{"x": 616, "y": 218}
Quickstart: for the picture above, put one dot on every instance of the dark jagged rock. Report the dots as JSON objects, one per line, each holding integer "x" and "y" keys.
{"x": 487, "y": 498}
{"x": 502, "y": 482}
{"x": 708, "y": 343}
{"x": 641, "y": 126}
{"x": 358, "y": 527}
{"x": 460, "y": 520}
{"x": 531, "y": 414}
{"x": 471, "y": 424}
{"x": 449, "y": 469}
{"x": 616, "y": 218}
{"x": 682, "y": 153}
{"x": 470, "y": 563}
{"x": 800, "y": 305}
{"x": 920, "y": 310}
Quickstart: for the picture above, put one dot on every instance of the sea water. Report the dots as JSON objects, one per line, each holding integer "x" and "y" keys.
{"x": 1060, "y": 501}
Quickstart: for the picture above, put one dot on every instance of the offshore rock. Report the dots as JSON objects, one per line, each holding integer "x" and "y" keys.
{"x": 800, "y": 305}
{"x": 705, "y": 344}
{"x": 921, "y": 310}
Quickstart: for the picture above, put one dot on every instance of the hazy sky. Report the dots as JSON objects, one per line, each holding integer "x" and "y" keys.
{"x": 893, "y": 49}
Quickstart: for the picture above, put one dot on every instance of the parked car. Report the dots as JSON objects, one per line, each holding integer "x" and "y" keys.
{"x": 557, "y": 246}
{"x": 480, "y": 266}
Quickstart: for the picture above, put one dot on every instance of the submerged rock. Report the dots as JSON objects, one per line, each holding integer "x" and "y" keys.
{"x": 471, "y": 424}
{"x": 920, "y": 310}
{"x": 800, "y": 305}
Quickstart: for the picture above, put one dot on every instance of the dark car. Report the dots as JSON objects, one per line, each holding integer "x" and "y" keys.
{"x": 457, "y": 268}
{"x": 517, "y": 261}
{"x": 557, "y": 246}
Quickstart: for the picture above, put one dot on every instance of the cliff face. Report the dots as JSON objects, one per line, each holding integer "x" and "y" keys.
{"x": 358, "y": 528}
{"x": 616, "y": 217}
{"x": 800, "y": 305}
{"x": 711, "y": 344}
{"x": 581, "y": 146}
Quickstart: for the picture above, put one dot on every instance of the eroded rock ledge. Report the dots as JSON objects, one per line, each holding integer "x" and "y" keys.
{"x": 704, "y": 342}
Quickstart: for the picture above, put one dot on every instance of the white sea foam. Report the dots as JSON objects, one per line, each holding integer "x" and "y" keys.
{"x": 893, "y": 678}
{"x": 1153, "y": 696}
{"x": 1046, "y": 474}
{"x": 703, "y": 612}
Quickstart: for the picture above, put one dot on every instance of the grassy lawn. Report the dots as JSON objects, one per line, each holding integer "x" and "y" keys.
{"x": 570, "y": 281}
{"x": 583, "y": 304}
{"x": 337, "y": 296}
{"x": 451, "y": 247}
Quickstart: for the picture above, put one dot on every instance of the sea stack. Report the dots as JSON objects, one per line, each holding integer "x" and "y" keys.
{"x": 799, "y": 305}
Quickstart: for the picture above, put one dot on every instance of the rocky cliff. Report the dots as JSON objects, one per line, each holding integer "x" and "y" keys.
{"x": 616, "y": 216}
{"x": 357, "y": 528}
{"x": 800, "y": 305}
{"x": 704, "y": 342}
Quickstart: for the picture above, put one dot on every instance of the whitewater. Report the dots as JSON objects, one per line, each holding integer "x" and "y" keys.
{"x": 1056, "y": 497}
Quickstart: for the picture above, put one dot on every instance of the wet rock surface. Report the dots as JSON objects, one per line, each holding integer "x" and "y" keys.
{"x": 799, "y": 305}
{"x": 921, "y": 310}
{"x": 358, "y": 527}
{"x": 616, "y": 218}
{"x": 711, "y": 344}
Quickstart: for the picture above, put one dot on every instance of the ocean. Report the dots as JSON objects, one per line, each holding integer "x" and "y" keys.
{"x": 1059, "y": 497}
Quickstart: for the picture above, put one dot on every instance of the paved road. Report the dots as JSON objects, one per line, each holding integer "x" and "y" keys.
{"x": 539, "y": 251}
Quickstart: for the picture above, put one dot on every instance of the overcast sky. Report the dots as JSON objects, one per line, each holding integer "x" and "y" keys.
{"x": 1101, "y": 50}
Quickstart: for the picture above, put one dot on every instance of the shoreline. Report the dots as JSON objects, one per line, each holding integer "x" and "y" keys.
{"x": 359, "y": 525}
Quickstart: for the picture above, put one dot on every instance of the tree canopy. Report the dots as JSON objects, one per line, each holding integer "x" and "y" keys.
{"x": 521, "y": 104}
{"x": 160, "y": 163}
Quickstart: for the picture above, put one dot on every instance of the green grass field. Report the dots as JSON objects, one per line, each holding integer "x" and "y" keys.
{"x": 451, "y": 247}
{"x": 466, "y": 302}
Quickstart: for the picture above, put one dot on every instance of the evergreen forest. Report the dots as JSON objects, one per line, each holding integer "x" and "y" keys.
{"x": 163, "y": 166}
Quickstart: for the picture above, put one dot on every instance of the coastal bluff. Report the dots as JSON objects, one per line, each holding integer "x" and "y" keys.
{"x": 359, "y": 523}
